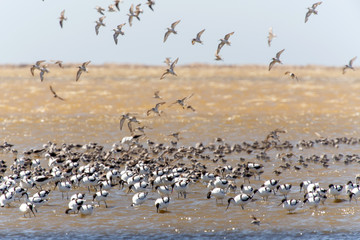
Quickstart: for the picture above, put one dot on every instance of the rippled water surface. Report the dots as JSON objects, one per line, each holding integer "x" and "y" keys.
{"x": 235, "y": 104}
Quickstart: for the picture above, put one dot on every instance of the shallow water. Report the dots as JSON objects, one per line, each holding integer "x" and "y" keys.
{"x": 228, "y": 105}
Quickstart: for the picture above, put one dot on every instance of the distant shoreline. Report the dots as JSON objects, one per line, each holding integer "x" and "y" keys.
{"x": 187, "y": 71}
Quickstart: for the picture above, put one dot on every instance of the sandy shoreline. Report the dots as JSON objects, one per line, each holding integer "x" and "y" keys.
{"x": 187, "y": 71}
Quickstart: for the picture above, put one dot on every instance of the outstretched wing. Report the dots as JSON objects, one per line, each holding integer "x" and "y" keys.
{"x": 316, "y": 4}
{"x": 271, "y": 64}
{"x": 307, "y": 15}
{"x": 200, "y": 33}
{"x": 166, "y": 35}
{"x": 227, "y": 36}
{"x": 173, "y": 25}
{"x": 279, "y": 53}
{"x": 78, "y": 74}
{"x": 351, "y": 61}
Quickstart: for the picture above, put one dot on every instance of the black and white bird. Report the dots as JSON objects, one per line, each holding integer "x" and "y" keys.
{"x": 101, "y": 196}
{"x": 27, "y": 208}
{"x": 162, "y": 204}
{"x": 139, "y": 198}
{"x": 284, "y": 189}
{"x": 218, "y": 193}
{"x": 290, "y": 204}
{"x": 264, "y": 192}
{"x": 335, "y": 190}
{"x": 241, "y": 199}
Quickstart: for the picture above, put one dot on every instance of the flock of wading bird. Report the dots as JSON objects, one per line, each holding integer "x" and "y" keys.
{"x": 137, "y": 11}
{"x": 160, "y": 173}
{"x": 150, "y": 168}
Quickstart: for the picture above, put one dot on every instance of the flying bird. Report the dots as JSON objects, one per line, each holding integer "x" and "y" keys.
{"x": 224, "y": 41}
{"x": 218, "y": 57}
{"x": 117, "y": 31}
{"x": 117, "y": 4}
{"x": 276, "y": 59}
{"x": 99, "y": 24}
{"x": 183, "y": 102}
{"x": 138, "y": 10}
{"x": 130, "y": 120}
{"x": 100, "y": 10}
{"x": 62, "y": 18}
{"x": 60, "y": 63}
{"x": 82, "y": 68}
{"x": 167, "y": 61}
{"x": 197, "y": 39}
{"x": 292, "y": 75}
{"x": 55, "y": 95}
{"x": 155, "y": 109}
{"x": 111, "y": 8}
{"x": 349, "y": 66}
{"x": 37, "y": 66}
{"x": 271, "y": 36}
{"x": 150, "y": 3}
{"x": 156, "y": 94}
{"x": 43, "y": 70}
{"x": 170, "y": 69}
{"x": 312, "y": 11}
{"x": 171, "y": 30}
{"x": 131, "y": 14}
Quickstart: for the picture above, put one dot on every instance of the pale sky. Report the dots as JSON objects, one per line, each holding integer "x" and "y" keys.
{"x": 31, "y": 32}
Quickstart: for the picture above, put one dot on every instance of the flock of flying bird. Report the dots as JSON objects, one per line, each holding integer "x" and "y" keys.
{"x": 135, "y": 12}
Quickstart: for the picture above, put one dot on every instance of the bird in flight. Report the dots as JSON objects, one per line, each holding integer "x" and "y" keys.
{"x": 155, "y": 109}
{"x": 130, "y": 120}
{"x": 131, "y": 14}
{"x": 43, "y": 70}
{"x": 349, "y": 66}
{"x": 111, "y": 8}
{"x": 100, "y": 10}
{"x": 117, "y": 4}
{"x": 55, "y": 95}
{"x": 117, "y": 31}
{"x": 167, "y": 61}
{"x": 170, "y": 69}
{"x": 82, "y": 68}
{"x": 183, "y": 102}
{"x": 292, "y": 75}
{"x": 218, "y": 57}
{"x": 156, "y": 94}
{"x": 62, "y": 18}
{"x": 271, "y": 36}
{"x": 60, "y": 63}
{"x": 99, "y": 24}
{"x": 37, "y": 66}
{"x": 312, "y": 11}
{"x": 276, "y": 59}
{"x": 150, "y": 3}
{"x": 197, "y": 39}
{"x": 224, "y": 41}
{"x": 171, "y": 30}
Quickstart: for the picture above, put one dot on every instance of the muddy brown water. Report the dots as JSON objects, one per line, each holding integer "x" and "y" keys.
{"x": 235, "y": 105}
